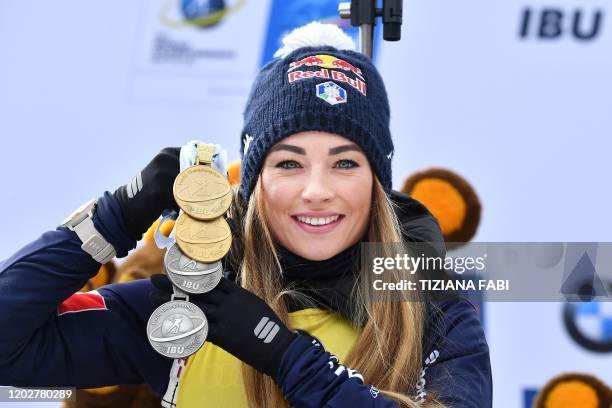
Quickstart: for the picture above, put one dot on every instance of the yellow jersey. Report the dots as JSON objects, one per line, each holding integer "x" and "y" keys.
{"x": 213, "y": 378}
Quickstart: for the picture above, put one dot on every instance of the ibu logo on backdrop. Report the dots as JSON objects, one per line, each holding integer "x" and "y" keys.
{"x": 552, "y": 23}
{"x": 188, "y": 51}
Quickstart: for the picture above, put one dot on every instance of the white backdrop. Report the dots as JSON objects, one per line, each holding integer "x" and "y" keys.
{"x": 527, "y": 120}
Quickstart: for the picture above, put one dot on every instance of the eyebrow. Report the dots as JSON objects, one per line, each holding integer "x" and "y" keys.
{"x": 299, "y": 150}
{"x": 291, "y": 148}
{"x": 343, "y": 148}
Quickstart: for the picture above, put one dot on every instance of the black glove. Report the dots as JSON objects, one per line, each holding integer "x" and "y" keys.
{"x": 239, "y": 322}
{"x": 144, "y": 198}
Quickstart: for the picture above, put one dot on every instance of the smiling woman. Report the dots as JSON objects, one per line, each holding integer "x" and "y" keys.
{"x": 289, "y": 324}
{"x": 315, "y": 184}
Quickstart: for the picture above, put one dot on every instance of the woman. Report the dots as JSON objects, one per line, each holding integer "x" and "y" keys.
{"x": 315, "y": 183}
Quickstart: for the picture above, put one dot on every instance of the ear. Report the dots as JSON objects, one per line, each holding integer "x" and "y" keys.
{"x": 451, "y": 199}
{"x": 574, "y": 390}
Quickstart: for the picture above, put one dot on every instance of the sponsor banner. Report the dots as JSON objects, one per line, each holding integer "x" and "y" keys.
{"x": 188, "y": 51}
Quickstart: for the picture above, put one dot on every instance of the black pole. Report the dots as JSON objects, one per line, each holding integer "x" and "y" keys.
{"x": 363, "y": 14}
{"x": 392, "y": 20}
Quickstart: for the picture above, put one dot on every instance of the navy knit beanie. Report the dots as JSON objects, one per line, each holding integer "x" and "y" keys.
{"x": 317, "y": 88}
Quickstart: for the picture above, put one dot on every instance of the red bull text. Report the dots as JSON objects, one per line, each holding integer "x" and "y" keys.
{"x": 324, "y": 73}
{"x": 326, "y": 61}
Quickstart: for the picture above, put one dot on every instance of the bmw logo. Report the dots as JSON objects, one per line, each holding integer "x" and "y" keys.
{"x": 590, "y": 324}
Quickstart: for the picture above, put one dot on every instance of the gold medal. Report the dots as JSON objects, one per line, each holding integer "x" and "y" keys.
{"x": 203, "y": 241}
{"x": 201, "y": 191}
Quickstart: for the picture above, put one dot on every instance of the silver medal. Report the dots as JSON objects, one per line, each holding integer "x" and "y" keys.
{"x": 177, "y": 328}
{"x": 189, "y": 275}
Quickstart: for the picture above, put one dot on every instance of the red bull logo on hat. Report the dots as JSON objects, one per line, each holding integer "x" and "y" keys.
{"x": 330, "y": 68}
{"x": 326, "y": 61}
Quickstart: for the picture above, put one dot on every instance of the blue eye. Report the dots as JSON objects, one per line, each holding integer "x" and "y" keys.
{"x": 346, "y": 164}
{"x": 341, "y": 164}
{"x": 288, "y": 164}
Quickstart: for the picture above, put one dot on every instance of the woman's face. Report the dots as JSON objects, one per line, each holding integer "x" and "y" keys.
{"x": 317, "y": 192}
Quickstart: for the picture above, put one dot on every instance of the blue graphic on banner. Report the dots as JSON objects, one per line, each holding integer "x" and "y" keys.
{"x": 287, "y": 15}
{"x": 529, "y": 397}
{"x": 197, "y": 13}
{"x": 193, "y": 9}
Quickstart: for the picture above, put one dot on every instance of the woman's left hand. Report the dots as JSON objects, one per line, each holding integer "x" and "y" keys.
{"x": 239, "y": 322}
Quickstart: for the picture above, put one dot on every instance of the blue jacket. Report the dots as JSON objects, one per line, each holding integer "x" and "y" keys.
{"x": 41, "y": 346}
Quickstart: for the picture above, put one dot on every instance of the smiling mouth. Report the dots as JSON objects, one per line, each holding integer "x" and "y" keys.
{"x": 318, "y": 221}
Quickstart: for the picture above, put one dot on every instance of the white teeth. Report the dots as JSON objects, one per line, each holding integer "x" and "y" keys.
{"x": 318, "y": 221}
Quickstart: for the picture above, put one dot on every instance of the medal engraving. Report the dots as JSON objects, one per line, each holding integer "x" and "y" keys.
{"x": 177, "y": 329}
{"x": 204, "y": 241}
{"x": 189, "y": 275}
{"x": 202, "y": 192}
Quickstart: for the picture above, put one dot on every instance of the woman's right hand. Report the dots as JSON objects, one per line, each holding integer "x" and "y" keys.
{"x": 149, "y": 193}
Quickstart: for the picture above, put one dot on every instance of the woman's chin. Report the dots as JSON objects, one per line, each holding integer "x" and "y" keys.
{"x": 318, "y": 252}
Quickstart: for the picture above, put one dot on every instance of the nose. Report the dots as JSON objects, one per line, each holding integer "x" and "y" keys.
{"x": 317, "y": 188}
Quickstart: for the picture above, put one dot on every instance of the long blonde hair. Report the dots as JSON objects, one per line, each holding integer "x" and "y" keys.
{"x": 388, "y": 352}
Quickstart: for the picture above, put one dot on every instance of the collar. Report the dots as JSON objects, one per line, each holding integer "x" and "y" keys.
{"x": 325, "y": 284}
{"x": 294, "y": 267}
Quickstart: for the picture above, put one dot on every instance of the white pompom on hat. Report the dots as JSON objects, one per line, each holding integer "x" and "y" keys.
{"x": 315, "y": 34}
